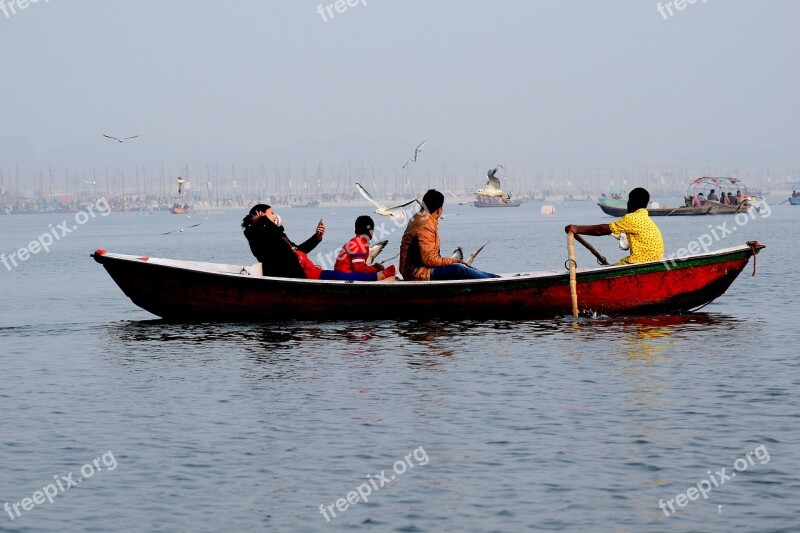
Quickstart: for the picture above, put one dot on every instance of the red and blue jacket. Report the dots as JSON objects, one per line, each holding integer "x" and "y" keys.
{"x": 353, "y": 256}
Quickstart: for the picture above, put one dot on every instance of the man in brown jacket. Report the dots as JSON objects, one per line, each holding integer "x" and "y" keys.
{"x": 419, "y": 249}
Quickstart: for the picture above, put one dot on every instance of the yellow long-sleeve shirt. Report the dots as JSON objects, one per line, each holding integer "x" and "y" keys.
{"x": 644, "y": 237}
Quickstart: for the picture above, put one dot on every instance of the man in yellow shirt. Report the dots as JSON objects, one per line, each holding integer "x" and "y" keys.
{"x": 644, "y": 237}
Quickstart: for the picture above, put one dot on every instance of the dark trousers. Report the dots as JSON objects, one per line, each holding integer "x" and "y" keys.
{"x": 459, "y": 271}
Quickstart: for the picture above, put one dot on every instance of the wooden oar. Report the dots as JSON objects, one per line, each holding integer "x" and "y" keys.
{"x": 573, "y": 281}
{"x": 783, "y": 202}
{"x": 600, "y": 258}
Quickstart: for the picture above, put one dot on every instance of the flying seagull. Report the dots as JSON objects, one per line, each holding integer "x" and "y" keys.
{"x": 458, "y": 253}
{"x": 118, "y": 139}
{"x": 417, "y": 151}
{"x": 381, "y": 208}
{"x": 492, "y": 188}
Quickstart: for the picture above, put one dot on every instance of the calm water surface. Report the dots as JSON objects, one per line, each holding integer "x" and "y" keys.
{"x": 546, "y": 425}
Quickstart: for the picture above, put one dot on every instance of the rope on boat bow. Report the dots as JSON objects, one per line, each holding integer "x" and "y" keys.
{"x": 752, "y": 245}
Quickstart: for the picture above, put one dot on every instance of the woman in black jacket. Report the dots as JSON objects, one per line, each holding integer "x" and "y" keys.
{"x": 272, "y": 247}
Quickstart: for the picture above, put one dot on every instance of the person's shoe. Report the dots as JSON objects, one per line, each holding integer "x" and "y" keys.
{"x": 388, "y": 273}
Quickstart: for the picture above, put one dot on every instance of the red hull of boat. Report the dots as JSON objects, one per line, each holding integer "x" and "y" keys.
{"x": 177, "y": 293}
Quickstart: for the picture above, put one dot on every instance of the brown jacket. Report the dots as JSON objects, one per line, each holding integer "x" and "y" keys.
{"x": 419, "y": 249}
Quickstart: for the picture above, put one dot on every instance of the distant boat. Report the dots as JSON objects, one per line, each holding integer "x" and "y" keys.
{"x": 708, "y": 208}
{"x": 795, "y": 200}
{"x": 660, "y": 212}
{"x": 168, "y": 288}
{"x": 37, "y": 211}
{"x": 612, "y": 202}
{"x": 310, "y": 203}
{"x": 704, "y": 186}
{"x": 616, "y": 197}
{"x": 489, "y": 201}
{"x": 180, "y": 207}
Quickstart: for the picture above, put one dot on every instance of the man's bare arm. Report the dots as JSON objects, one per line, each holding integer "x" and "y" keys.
{"x": 597, "y": 230}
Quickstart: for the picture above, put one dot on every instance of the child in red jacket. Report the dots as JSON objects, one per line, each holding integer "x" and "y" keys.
{"x": 353, "y": 255}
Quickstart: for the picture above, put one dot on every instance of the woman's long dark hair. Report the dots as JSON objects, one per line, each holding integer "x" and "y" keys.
{"x": 247, "y": 221}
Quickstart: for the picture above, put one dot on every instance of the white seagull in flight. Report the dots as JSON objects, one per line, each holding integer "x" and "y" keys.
{"x": 492, "y": 188}
{"x": 118, "y": 139}
{"x": 417, "y": 151}
{"x": 381, "y": 208}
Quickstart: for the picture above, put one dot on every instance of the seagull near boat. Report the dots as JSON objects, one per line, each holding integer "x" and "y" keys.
{"x": 375, "y": 250}
{"x": 417, "y": 150}
{"x": 459, "y": 254}
{"x": 381, "y": 209}
{"x": 492, "y": 188}
{"x": 120, "y": 139}
{"x": 180, "y": 207}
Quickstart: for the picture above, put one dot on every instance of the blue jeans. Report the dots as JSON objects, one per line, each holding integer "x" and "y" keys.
{"x": 347, "y": 276}
{"x": 459, "y": 271}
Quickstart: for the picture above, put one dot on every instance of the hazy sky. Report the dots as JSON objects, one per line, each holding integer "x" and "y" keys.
{"x": 540, "y": 83}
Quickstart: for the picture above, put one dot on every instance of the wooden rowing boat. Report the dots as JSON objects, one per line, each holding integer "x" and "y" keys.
{"x": 485, "y": 201}
{"x": 708, "y": 208}
{"x": 191, "y": 291}
{"x": 616, "y": 211}
{"x": 700, "y": 187}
